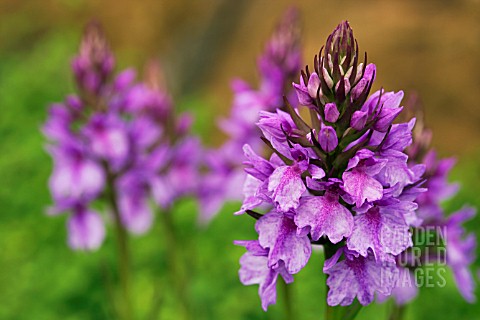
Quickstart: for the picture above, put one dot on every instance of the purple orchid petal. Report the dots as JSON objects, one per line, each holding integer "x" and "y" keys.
{"x": 286, "y": 186}
{"x": 74, "y": 175}
{"x": 383, "y": 231}
{"x": 362, "y": 187}
{"x": 256, "y": 166}
{"x": 278, "y": 233}
{"x": 359, "y": 278}
{"x": 359, "y": 119}
{"x": 85, "y": 230}
{"x": 254, "y": 270}
{"x": 313, "y": 85}
{"x": 324, "y": 216}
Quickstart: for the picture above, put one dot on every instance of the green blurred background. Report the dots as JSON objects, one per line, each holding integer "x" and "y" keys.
{"x": 432, "y": 47}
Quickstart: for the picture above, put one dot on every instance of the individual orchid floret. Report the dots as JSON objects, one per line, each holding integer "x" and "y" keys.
{"x": 86, "y": 229}
{"x": 359, "y": 178}
{"x": 254, "y": 270}
{"x": 383, "y": 230}
{"x": 75, "y": 174}
{"x": 358, "y": 277}
{"x": 324, "y": 215}
{"x": 278, "y": 233}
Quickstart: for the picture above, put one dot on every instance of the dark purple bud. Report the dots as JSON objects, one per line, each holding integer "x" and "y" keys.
{"x": 327, "y": 78}
{"x": 359, "y": 119}
{"x": 346, "y": 85}
{"x": 327, "y": 138}
{"x": 331, "y": 112}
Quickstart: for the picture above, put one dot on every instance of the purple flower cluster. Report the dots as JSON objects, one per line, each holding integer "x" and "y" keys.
{"x": 278, "y": 65}
{"x": 459, "y": 246}
{"x": 341, "y": 180}
{"x": 116, "y": 141}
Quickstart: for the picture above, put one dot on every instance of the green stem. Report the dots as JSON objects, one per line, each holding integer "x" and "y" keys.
{"x": 122, "y": 248}
{"x": 157, "y": 301}
{"x": 331, "y": 313}
{"x": 107, "y": 285}
{"x": 176, "y": 271}
{"x": 287, "y": 300}
{"x": 397, "y": 312}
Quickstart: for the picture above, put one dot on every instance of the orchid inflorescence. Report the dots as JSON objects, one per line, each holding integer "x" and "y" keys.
{"x": 116, "y": 143}
{"x": 341, "y": 180}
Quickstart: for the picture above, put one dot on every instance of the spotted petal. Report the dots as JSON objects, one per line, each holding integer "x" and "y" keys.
{"x": 324, "y": 216}
{"x": 278, "y": 233}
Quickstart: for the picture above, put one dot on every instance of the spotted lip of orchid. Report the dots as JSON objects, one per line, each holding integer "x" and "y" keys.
{"x": 340, "y": 179}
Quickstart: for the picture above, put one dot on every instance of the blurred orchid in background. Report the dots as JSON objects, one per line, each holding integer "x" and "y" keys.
{"x": 116, "y": 146}
{"x": 277, "y": 66}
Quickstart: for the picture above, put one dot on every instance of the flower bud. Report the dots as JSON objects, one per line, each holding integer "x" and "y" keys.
{"x": 302, "y": 93}
{"x": 331, "y": 112}
{"x": 359, "y": 119}
{"x": 327, "y": 138}
{"x": 364, "y": 82}
{"x": 313, "y": 85}
{"x": 95, "y": 62}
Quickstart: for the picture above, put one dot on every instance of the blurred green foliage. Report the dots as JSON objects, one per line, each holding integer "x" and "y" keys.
{"x": 41, "y": 278}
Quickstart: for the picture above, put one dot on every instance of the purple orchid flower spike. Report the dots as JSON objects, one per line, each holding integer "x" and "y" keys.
{"x": 119, "y": 142}
{"x": 340, "y": 179}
